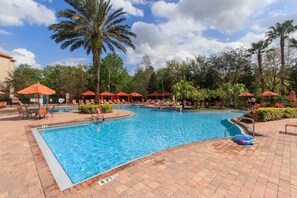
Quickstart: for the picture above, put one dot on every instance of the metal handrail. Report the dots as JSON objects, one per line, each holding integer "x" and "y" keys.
{"x": 242, "y": 118}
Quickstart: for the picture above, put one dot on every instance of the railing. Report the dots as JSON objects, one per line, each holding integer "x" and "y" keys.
{"x": 242, "y": 118}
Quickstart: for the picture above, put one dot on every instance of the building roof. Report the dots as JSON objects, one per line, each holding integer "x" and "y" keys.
{"x": 7, "y": 56}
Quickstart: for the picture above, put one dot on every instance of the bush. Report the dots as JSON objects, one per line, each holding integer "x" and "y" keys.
{"x": 90, "y": 108}
{"x": 268, "y": 114}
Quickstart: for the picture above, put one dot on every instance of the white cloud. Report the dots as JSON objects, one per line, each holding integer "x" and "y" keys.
{"x": 24, "y": 56}
{"x": 225, "y": 15}
{"x": 71, "y": 61}
{"x": 3, "y": 32}
{"x": 128, "y": 6}
{"x": 184, "y": 32}
{"x": 17, "y": 12}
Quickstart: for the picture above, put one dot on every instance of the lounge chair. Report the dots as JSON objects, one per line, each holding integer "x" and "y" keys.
{"x": 81, "y": 102}
{"x": 92, "y": 101}
{"x": 74, "y": 102}
{"x": 123, "y": 101}
{"x": 292, "y": 125}
{"x": 105, "y": 102}
{"x": 88, "y": 102}
{"x": 119, "y": 102}
{"x": 2, "y": 104}
{"x": 115, "y": 101}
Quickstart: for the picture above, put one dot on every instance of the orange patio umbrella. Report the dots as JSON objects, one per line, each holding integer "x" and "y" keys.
{"x": 246, "y": 94}
{"x": 292, "y": 96}
{"x": 2, "y": 93}
{"x": 37, "y": 89}
{"x": 267, "y": 94}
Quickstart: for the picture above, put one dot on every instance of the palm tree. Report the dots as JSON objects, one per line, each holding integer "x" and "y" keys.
{"x": 92, "y": 25}
{"x": 258, "y": 48}
{"x": 293, "y": 42}
{"x": 184, "y": 90}
{"x": 281, "y": 30}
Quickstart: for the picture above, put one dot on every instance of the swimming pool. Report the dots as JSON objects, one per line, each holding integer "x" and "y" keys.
{"x": 90, "y": 149}
{"x": 65, "y": 109}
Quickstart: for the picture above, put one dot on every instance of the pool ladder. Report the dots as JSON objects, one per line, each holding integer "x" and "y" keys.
{"x": 242, "y": 118}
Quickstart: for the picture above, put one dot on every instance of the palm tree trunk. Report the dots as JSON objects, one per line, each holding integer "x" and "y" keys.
{"x": 282, "y": 45}
{"x": 262, "y": 81}
{"x": 96, "y": 62}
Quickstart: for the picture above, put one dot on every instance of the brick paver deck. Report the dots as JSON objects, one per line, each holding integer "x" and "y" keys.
{"x": 215, "y": 168}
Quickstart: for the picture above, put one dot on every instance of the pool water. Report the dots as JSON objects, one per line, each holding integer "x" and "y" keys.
{"x": 87, "y": 150}
{"x": 65, "y": 109}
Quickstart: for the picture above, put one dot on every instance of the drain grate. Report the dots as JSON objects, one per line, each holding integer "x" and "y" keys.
{"x": 108, "y": 179}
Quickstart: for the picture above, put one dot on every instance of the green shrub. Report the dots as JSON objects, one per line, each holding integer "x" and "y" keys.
{"x": 90, "y": 108}
{"x": 268, "y": 114}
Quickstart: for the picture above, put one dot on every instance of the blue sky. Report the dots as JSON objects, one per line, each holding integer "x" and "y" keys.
{"x": 166, "y": 30}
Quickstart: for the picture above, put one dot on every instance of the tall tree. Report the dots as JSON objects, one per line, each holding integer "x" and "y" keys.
{"x": 258, "y": 48}
{"x": 92, "y": 25}
{"x": 282, "y": 31}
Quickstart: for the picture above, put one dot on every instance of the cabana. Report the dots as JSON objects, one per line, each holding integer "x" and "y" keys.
{"x": 167, "y": 95}
{"x": 110, "y": 96}
{"x": 154, "y": 95}
{"x": 122, "y": 95}
{"x": 87, "y": 93}
{"x": 135, "y": 95}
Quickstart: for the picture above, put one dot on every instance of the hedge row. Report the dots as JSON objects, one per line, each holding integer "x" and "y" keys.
{"x": 90, "y": 108}
{"x": 268, "y": 114}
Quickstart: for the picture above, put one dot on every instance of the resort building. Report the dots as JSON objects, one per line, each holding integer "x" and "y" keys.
{"x": 6, "y": 66}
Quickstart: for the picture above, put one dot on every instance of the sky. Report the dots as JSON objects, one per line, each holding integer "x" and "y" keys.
{"x": 165, "y": 29}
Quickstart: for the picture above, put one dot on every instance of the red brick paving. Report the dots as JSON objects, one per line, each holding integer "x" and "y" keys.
{"x": 215, "y": 168}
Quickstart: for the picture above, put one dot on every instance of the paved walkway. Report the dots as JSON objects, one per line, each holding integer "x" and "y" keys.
{"x": 216, "y": 168}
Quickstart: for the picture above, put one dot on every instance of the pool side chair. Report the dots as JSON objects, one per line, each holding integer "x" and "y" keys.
{"x": 92, "y": 101}
{"x": 115, "y": 101}
{"x": 88, "y": 102}
{"x": 119, "y": 102}
{"x": 292, "y": 125}
{"x": 42, "y": 112}
{"x": 74, "y": 102}
{"x": 22, "y": 112}
{"x": 81, "y": 102}
{"x": 104, "y": 101}
{"x": 2, "y": 104}
{"x": 51, "y": 111}
{"x": 29, "y": 112}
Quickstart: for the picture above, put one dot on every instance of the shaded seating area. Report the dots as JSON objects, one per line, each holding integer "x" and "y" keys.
{"x": 122, "y": 97}
{"x": 134, "y": 96}
{"x": 107, "y": 96}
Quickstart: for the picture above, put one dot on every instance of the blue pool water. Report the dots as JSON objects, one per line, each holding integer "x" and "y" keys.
{"x": 65, "y": 109}
{"x": 87, "y": 150}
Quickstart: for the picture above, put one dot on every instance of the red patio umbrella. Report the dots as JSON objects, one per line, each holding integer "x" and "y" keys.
{"x": 155, "y": 94}
{"x": 135, "y": 94}
{"x": 88, "y": 93}
{"x": 267, "y": 94}
{"x": 246, "y": 94}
